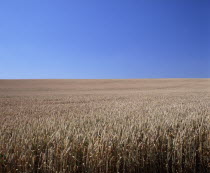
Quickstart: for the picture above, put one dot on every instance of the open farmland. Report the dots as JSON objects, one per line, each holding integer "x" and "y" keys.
{"x": 99, "y": 126}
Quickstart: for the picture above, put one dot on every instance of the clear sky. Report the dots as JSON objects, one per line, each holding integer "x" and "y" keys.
{"x": 104, "y": 39}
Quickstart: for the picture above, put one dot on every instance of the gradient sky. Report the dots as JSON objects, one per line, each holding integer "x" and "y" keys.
{"x": 104, "y": 39}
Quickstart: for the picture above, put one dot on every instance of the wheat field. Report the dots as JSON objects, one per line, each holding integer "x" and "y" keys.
{"x": 105, "y": 126}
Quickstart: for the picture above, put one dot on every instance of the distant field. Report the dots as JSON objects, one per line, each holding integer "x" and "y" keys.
{"x": 99, "y": 126}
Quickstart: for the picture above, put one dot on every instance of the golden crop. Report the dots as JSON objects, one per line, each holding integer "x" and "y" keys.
{"x": 103, "y": 126}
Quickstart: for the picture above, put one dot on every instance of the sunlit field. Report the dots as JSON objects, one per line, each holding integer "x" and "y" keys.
{"x": 105, "y": 126}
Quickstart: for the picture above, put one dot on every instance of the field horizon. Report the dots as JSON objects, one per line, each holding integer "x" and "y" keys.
{"x": 105, "y": 125}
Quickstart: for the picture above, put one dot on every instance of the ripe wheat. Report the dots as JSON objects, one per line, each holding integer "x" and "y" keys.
{"x": 99, "y": 126}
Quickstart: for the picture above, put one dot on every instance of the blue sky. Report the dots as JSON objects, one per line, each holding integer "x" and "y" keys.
{"x": 104, "y": 39}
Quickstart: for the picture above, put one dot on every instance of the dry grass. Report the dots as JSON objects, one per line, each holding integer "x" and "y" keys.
{"x": 159, "y": 125}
